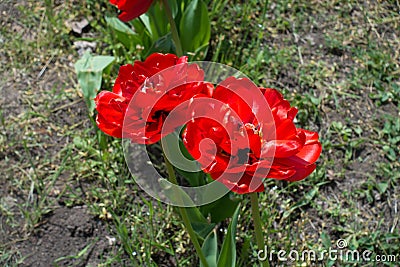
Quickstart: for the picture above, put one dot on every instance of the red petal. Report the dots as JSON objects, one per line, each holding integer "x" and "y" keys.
{"x": 302, "y": 168}
{"x": 310, "y": 153}
{"x": 111, "y": 110}
{"x": 110, "y": 128}
{"x": 241, "y": 95}
{"x": 312, "y": 148}
{"x": 302, "y": 172}
{"x": 285, "y": 130}
{"x": 244, "y": 185}
{"x": 286, "y": 148}
{"x": 155, "y": 63}
{"x": 132, "y": 9}
{"x": 272, "y": 96}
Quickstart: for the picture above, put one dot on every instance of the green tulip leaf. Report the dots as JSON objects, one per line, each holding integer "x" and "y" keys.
{"x": 155, "y": 21}
{"x": 163, "y": 45}
{"x": 124, "y": 34}
{"x": 182, "y": 160}
{"x": 210, "y": 249}
{"x": 199, "y": 223}
{"x": 227, "y": 257}
{"x": 174, "y": 7}
{"x": 195, "y": 27}
{"x": 89, "y": 70}
{"x": 201, "y": 229}
{"x": 229, "y": 203}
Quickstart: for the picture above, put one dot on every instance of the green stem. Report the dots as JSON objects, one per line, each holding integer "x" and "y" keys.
{"x": 257, "y": 224}
{"x": 174, "y": 30}
{"x": 185, "y": 217}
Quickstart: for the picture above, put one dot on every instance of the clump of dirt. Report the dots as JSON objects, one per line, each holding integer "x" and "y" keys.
{"x": 67, "y": 237}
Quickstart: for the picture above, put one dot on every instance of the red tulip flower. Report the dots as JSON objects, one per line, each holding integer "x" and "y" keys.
{"x": 245, "y": 145}
{"x": 131, "y": 9}
{"x": 145, "y": 93}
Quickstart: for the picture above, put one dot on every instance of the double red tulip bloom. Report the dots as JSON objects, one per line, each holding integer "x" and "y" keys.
{"x": 246, "y": 144}
{"x": 143, "y": 96}
{"x": 131, "y": 9}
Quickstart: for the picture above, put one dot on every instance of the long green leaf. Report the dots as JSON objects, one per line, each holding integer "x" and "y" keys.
{"x": 229, "y": 204}
{"x": 174, "y": 7}
{"x": 202, "y": 229}
{"x": 175, "y": 149}
{"x": 89, "y": 70}
{"x": 210, "y": 249}
{"x": 195, "y": 27}
{"x": 162, "y": 45}
{"x": 199, "y": 223}
{"x": 156, "y": 21}
{"x": 228, "y": 251}
{"x": 124, "y": 34}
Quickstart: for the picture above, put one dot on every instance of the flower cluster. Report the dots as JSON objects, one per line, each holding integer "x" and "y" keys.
{"x": 238, "y": 132}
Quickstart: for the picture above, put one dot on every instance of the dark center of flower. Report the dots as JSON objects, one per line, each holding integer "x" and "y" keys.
{"x": 243, "y": 155}
{"x": 158, "y": 114}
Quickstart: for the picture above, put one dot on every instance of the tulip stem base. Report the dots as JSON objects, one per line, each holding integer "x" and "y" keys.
{"x": 185, "y": 217}
{"x": 174, "y": 30}
{"x": 255, "y": 211}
